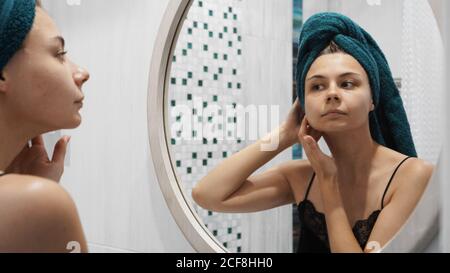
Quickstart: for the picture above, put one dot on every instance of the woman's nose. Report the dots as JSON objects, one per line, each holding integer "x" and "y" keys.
{"x": 332, "y": 95}
{"x": 81, "y": 76}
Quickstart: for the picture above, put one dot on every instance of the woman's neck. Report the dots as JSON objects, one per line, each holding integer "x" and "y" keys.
{"x": 12, "y": 141}
{"x": 354, "y": 152}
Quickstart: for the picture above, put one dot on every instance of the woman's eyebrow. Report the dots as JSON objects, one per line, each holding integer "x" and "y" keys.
{"x": 340, "y": 76}
{"x": 61, "y": 40}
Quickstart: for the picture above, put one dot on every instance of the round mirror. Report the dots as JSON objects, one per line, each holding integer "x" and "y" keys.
{"x": 222, "y": 77}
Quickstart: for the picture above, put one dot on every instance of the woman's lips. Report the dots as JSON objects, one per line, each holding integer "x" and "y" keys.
{"x": 334, "y": 113}
{"x": 79, "y": 103}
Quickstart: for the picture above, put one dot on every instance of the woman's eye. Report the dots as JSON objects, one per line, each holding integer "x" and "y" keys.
{"x": 62, "y": 55}
{"x": 347, "y": 84}
{"x": 316, "y": 87}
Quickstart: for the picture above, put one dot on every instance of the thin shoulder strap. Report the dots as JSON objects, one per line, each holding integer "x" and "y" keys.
{"x": 390, "y": 180}
{"x": 309, "y": 186}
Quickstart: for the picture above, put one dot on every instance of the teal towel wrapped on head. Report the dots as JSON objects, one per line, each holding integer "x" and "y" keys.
{"x": 16, "y": 20}
{"x": 389, "y": 124}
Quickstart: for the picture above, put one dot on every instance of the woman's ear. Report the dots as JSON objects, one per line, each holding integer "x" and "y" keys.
{"x": 2, "y": 83}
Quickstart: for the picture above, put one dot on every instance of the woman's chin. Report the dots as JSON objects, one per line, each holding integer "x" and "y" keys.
{"x": 75, "y": 122}
{"x": 335, "y": 128}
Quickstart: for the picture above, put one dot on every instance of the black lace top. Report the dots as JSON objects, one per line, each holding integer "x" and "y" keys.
{"x": 313, "y": 227}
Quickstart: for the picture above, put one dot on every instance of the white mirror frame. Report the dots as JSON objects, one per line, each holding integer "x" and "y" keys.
{"x": 423, "y": 224}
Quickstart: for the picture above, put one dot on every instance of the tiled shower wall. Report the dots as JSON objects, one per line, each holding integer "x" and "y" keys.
{"x": 206, "y": 71}
{"x": 230, "y": 53}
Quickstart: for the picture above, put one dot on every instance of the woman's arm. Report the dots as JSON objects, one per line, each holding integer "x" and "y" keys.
{"x": 412, "y": 182}
{"x": 340, "y": 234}
{"x": 229, "y": 187}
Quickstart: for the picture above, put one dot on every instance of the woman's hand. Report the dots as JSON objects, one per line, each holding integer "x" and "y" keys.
{"x": 35, "y": 161}
{"x": 323, "y": 165}
{"x": 291, "y": 126}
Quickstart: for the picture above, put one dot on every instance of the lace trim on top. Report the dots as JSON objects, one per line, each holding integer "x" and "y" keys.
{"x": 315, "y": 222}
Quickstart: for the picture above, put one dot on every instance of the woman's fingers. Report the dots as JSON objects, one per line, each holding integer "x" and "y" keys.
{"x": 39, "y": 140}
{"x": 303, "y": 130}
{"x": 59, "y": 152}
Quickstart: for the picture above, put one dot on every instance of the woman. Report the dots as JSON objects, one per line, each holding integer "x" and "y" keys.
{"x": 357, "y": 199}
{"x": 40, "y": 92}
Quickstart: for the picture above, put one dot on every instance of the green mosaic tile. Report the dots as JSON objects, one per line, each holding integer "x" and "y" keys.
{"x": 210, "y": 16}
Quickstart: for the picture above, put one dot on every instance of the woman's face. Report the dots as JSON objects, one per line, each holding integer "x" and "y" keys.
{"x": 42, "y": 87}
{"x": 337, "y": 82}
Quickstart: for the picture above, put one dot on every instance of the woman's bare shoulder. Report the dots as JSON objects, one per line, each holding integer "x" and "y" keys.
{"x": 413, "y": 175}
{"x": 418, "y": 171}
{"x": 297, "y": 173}
{"x": 16, "y": 182}
{"x": 37, "y": 215}
{"x": 32, "y": 193}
